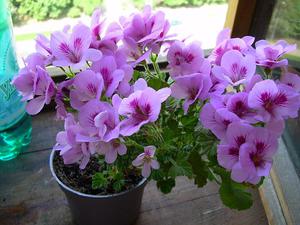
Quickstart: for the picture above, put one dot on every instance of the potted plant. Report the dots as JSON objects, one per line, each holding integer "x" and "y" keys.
{"x": 215, "y": 118}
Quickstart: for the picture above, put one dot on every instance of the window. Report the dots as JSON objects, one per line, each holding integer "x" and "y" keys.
{"x": 285, "y": 24}
{"x": 194, "y": 19}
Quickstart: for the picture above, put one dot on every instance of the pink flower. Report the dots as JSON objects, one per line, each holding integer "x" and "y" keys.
{"x": 111, "y": 150}
{"x": 144, "y": 33}
{"x": 238, "y": 104}
{"x": 191, "y": 88}
{"x": 217, "y": 120}
{"x": 87, "y": 85}
{"x": 185, "y": 60}
{"x": 111, "y": 76}
{"x": 268, "y": 55}
{"x": 73, "y": 49}
{"x": 228, "y": 152}
{"x": 100, "y": 121}
{"x": 235, "y": 68}
{"x": 273, "y": 102}
{"x": 35, "y": 59}
{"x": 256, "y": 156}
{"x": 250, "y": 83}
{"x": 218, "y": 85}
{"x": 104, "y": 38}
{"x": 42, "y": 46}
{"x": 292, "y": 80}
{"x": 225, "y": 44}
{"x": 35, "y": 86}
{"x": 63, "y": 90}
{"x": 141, "y": 107}
{"x": 71, "y": 150}
{"x": 146, "y": 160}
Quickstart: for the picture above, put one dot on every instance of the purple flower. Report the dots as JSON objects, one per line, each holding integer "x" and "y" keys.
{"x": 141, "y": 107}
{"x": 268, "y": 55}
{"x": 63, "y": 90}
{"x": 273, "y": 101}
{"x": 38, "y": 87}
{"x": 217, "y": 120}
{"x": 235, "y": 68}
{"x": 87, "y": 85}
{"x": 229, "y": 149}
{"x": 73, "y": 49}
{"x": 218, "y": 85}
{"x": 145, "y": 33}
{"x": 146, "y": 159}
{"x": 42, "y": 46}
{"x": 238, "y": 104}
{"x": 111, "y": 150}
{"x": 191, "y": 88}
{"x": 250, "y": 84}
{"x": 275, "y": 127}
{"x": 225, "y": 44}
{"x": 292, "y": 80}
{"x": 71, "y": 150}
{"x": 256, "y": 156}
{"x": 184, "y": 60}
{"x": 112, "y": 76}
{"x": 100, "y": 121}
{"x": 34, "y": 60}
{"x": 104, "y": 41}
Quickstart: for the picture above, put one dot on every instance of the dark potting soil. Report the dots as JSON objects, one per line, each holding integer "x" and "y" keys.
{"x": 81, "y": 180}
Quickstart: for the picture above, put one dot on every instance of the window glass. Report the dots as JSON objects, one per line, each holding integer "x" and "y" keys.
{"x": 285, "y": 24}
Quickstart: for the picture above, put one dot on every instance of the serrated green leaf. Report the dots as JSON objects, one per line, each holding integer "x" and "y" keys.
{"x": 199, "y": 168}
{"x": 118, "y": 185}
{"x": 99, "y": 181}
{"x": 234, "y": 195}
{"x": 166, "y": 185}
{"x": 181, "y": 170}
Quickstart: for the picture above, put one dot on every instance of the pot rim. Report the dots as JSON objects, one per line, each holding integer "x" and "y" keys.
{"x": 88, "y": 195}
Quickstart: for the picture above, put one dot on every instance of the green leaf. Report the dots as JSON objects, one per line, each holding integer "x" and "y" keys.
{"x": 136, "y": 75}
{"x": 118, "y": 185}
{"x": 166, "y": 185}
{"x": 199, "y": 168}
{"x": 157, "y": 175}
{"x": 234, "y": 195}
{"x": 189, "y": 121}
{"x": 99, "y": 181}
{"x": 156, "y": 83}
{"x": 180, "y": 167}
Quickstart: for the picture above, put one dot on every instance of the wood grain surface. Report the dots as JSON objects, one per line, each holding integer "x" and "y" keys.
{"x": 29, "y": 195}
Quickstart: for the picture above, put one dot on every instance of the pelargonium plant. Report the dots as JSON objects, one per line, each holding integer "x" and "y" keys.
{"x": 215, "y": 118}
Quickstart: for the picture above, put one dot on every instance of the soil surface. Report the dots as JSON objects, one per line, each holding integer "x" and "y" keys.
{"x": 81, "y": 180}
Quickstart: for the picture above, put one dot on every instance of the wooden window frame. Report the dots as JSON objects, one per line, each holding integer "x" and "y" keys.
{"x": 249, "y": 17}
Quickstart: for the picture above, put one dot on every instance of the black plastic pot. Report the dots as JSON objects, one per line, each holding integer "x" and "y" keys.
{"x": 117, "y": 209}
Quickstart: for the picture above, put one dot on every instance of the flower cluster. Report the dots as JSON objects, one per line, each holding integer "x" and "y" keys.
{"x": 97, "y": 86}
{"x": 247, "y": 115}
{"x": 150, "y": 119}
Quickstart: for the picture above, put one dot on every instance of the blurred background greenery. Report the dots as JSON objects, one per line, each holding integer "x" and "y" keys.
{"x": 24, "y": 10}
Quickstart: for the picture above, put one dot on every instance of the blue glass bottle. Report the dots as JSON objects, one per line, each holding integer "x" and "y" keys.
{"x": 15, "y": 124}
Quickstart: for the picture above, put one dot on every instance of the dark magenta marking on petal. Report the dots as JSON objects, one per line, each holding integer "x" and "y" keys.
{"x": 280, "y": 99}
{"x": 78, "y": 43}
{"x": 64, "y": 48}
{"x": 233, "y": 151}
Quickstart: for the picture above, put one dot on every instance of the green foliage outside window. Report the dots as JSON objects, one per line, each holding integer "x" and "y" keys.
{"x": 23, "y": 10}
{"x": 286, "y": 20}
{"x": 176, "y": 3}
